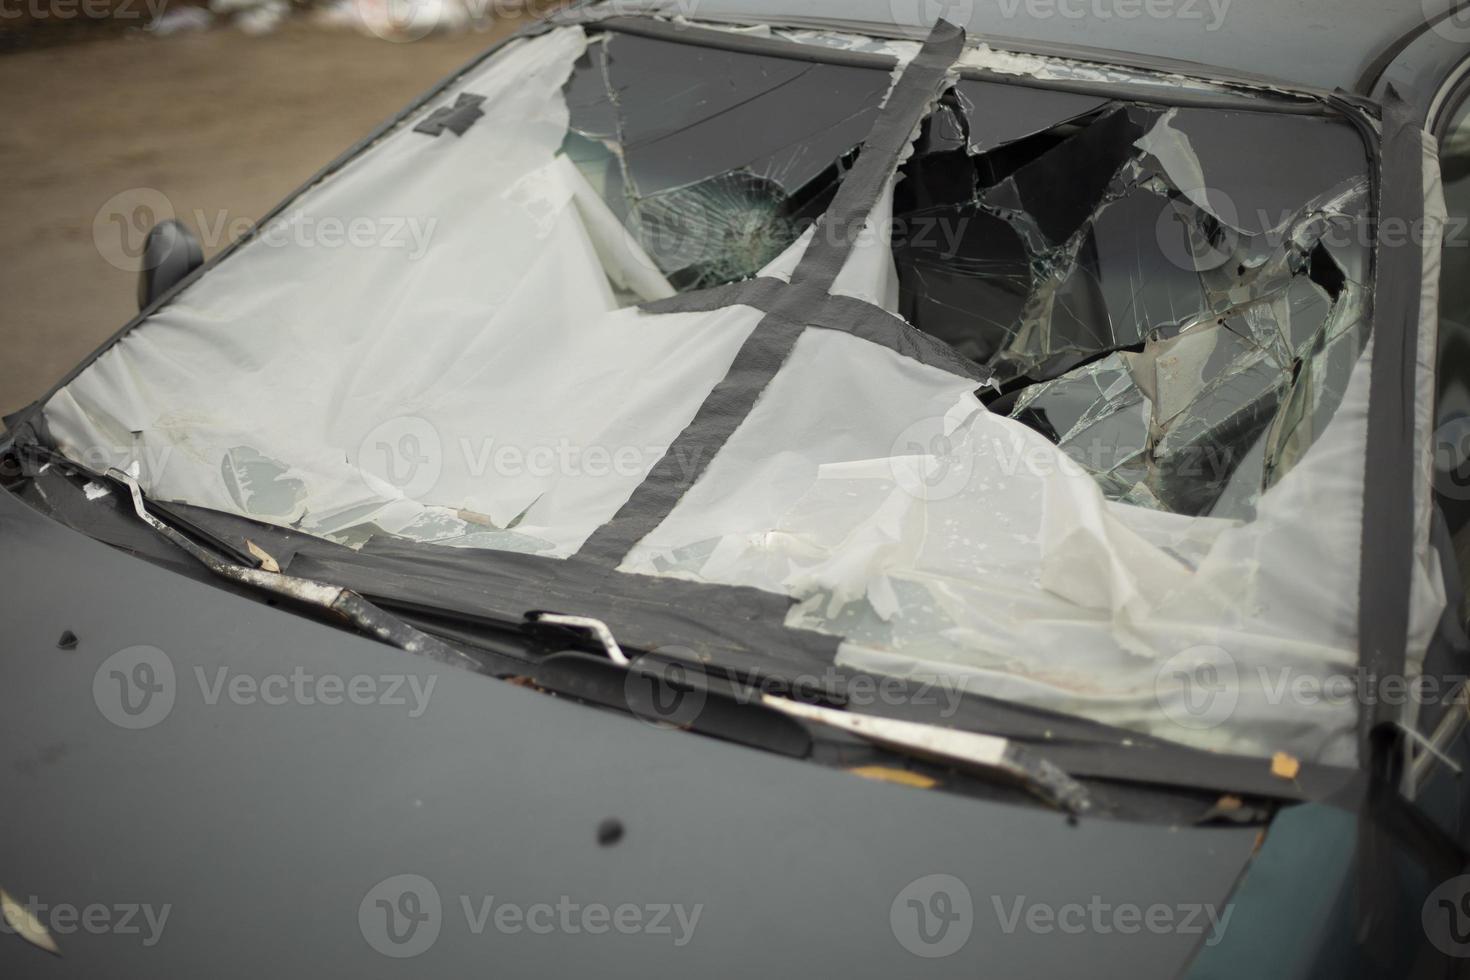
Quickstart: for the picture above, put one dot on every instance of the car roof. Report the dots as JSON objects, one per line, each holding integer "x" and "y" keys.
{"x": 1319, "y": 43}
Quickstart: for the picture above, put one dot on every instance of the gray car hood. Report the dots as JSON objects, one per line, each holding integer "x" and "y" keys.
{"x": 274, "y": 833}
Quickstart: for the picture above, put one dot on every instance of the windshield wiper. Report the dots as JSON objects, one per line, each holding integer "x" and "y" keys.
{"x": 988, "y": 754}
{"x": 342, "y": 602}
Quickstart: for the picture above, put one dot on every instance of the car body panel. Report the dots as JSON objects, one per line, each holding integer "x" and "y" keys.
{"x": 264, "y": 826}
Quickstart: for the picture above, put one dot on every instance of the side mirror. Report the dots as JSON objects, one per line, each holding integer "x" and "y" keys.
{"x": 170, "y": 252}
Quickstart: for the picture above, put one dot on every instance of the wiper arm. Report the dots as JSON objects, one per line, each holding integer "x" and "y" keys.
{"x": 343, "y": 602}
{"x": 989, "y": 754}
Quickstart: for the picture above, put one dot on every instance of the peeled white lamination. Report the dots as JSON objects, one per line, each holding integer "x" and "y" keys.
{"x": 342, "y": 389}
{"x": 942, "y": 541}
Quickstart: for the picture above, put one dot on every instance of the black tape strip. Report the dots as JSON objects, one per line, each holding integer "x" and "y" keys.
{"x": 921, "y": 83}
{"x": 686, "y": 459}
{"x": 1386, "y": 561}
{"x": 456, "y": 119}
{"x": 794, "y": 307}
{"x": 847, "y": 314}
{"x": 761, "y": 293}
{"x": 1387, "y": 556}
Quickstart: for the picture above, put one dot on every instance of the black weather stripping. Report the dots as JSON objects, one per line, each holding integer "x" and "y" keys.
{"x": 456, "y": 118}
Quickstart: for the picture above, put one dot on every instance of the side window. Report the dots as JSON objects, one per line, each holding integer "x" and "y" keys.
{"x": 1452, "y": 441}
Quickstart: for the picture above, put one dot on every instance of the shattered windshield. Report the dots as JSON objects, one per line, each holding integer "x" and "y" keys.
{"x": 975, "y": 375}
{"x": 1174, "y": 308}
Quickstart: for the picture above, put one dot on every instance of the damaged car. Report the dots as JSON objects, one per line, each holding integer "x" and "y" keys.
{"x": 938, "y": 497}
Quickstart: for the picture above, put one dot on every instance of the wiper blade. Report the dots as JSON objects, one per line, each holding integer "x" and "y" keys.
{"x": 986, "y": 754}
{"x": 343, "y": 602}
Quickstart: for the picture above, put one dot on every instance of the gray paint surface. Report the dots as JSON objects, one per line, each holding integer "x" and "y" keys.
{"x": 263, "y": 827}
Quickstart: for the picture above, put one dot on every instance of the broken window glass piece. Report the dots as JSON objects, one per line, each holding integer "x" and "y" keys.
{"x": 1001, "y": 113}
{"x": 1171, "y": 334}
{"x": 1059, "y": 190}
{"x": 714, "y": 160}
{"x": 1263, "y": 165}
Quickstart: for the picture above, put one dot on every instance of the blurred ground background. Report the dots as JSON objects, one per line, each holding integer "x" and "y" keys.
{"x": 220, "y": 121}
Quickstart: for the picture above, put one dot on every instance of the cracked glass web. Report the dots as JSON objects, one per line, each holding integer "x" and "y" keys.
{"x": 1181, "y": 326}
